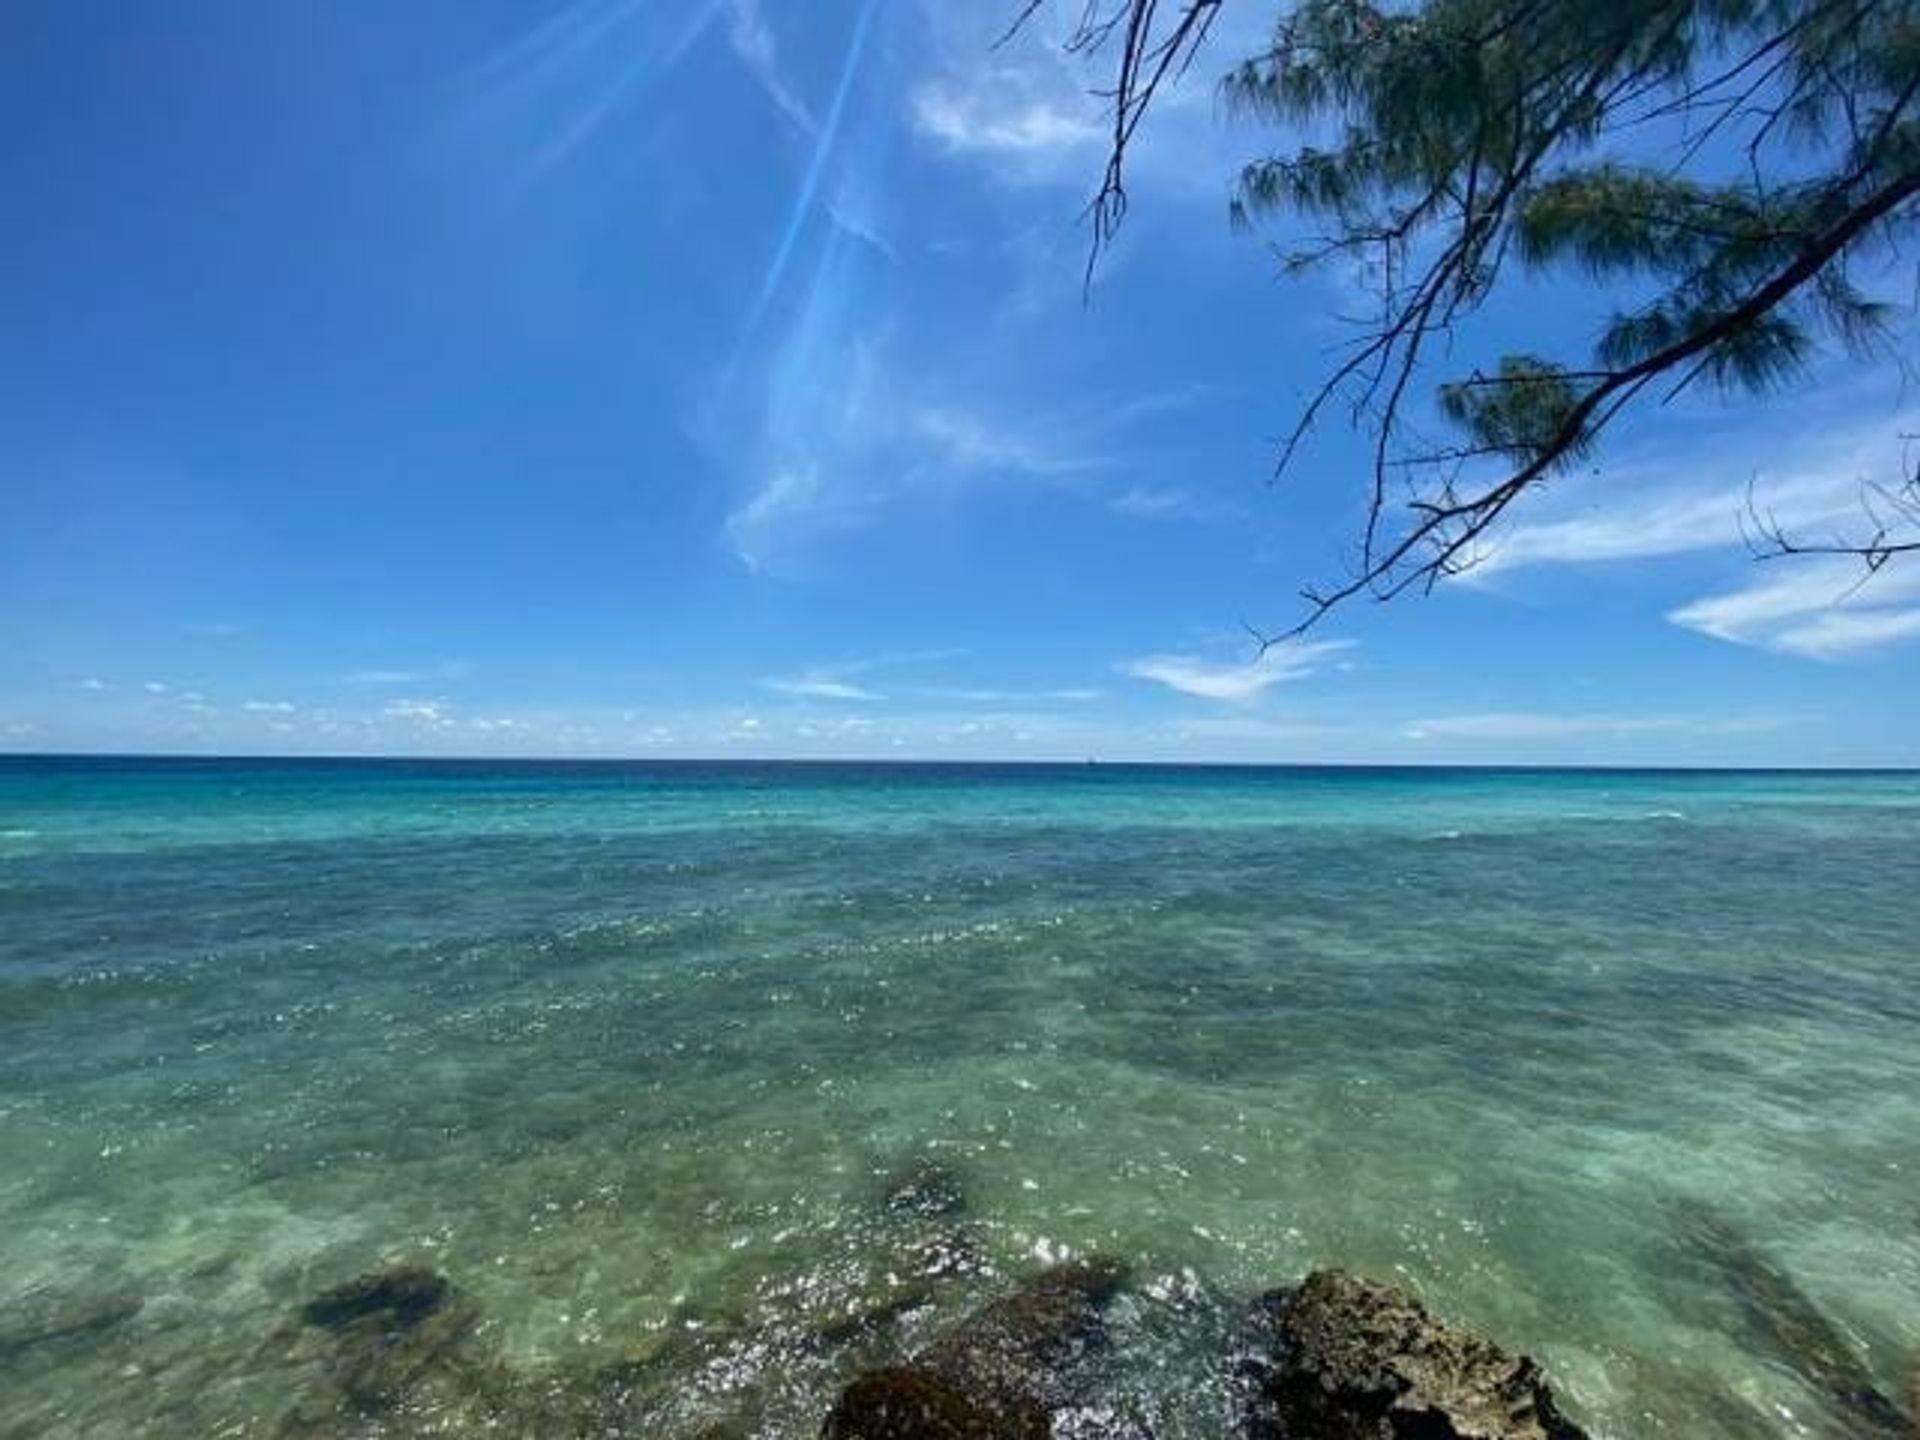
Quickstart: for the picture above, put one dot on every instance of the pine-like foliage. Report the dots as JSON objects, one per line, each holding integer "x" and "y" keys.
{"x": 1721, "y": 162}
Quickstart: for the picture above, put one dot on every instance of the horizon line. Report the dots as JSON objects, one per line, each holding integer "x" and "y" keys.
{"x": 1089, "y": 762}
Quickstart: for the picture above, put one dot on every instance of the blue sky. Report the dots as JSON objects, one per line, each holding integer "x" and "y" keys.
{"x": 713, "y": 378}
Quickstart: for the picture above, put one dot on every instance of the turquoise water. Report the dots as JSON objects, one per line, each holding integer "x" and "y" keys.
{"x": 630, "y": 1052}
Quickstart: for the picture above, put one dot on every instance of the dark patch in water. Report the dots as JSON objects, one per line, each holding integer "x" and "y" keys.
{"x": 1791, "y": 1326}
{"x": 43, "y": 1317}
{"x": 403, "y": 1296}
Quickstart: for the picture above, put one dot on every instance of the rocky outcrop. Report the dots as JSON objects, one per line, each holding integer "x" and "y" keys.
{"x": 997, "y": 1375}
{"x": 909, "y": 1403}
{"x": 1025, "y": 1346}
{"x": 1363, "y": 1361}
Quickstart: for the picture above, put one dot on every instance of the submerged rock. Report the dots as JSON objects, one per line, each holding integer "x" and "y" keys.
{"x": 1790, "y": 1325}
{"x": 50, "y": 1317}
{"x": 1364, "y": 1361}
{"x": 996, "y": 1375}
{"x": 948, "y": 1254}
{"x": 389, "y": 1330}
{"x": 1024, "y": 1345}
{"x": 400, "y": 1297}
{"x": 864, "y": 1314}
{"x": 925, "y": 1187}
{"x": 910, "y": 1403}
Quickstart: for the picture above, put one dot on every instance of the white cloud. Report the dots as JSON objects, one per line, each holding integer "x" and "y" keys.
{"x": 432, "y": 713}
{"x": 1808, "y": 487}
{"x": 268, "y": 707}
{"x": 1641, "y": 520}
{"x": 1211, "y": 680}
{"x": 155, "y": 687}
{"x": 94, "y": 685}
{"x": 1807, "y": 480}
{"x": 990, "y": 113}
{"x": 1821, "y": 609}
{"x": 1837, "y": 633}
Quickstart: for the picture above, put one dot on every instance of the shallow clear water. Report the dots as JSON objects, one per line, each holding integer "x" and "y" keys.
{"x": 629, "y": 1054}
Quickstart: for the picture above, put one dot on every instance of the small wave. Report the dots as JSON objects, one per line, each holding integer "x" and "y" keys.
{"x": 19, "y": 834}
{"x": 1665, "y": 815}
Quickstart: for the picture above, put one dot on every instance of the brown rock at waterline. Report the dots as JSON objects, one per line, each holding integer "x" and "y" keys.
{"x": 1023, "y": 1345}
{"x": 997, "y": 1374}
{"x": 1365, "y": 1361}
{"x": 907, "y": 1402}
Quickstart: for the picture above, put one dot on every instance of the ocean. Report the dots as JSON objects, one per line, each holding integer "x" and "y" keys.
{"x": 1621, "y": 1069}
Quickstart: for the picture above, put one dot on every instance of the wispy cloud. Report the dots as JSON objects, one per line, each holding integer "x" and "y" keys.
{"x": 1835, "y": 634}
{"x": 790, "y": 499}
{"x": 1150, "y": 502}
{"x": 443, "y": 670}
{"x": 1804, "y": 487}
{"x": 967, "y": 440}
{"x": 821, "y": 688}
{"x": 825, "y": 138}
{"x": 268, "y": 707}
{"x": 836, "y": 681}
{"x": 1167, "y": 502}
{"x": 849, "y": 437}
{"x": 1703, "y": 496}
{"x": 1522, "y": 725}
{"x": 1236, "y": 683}
{"x": 752, "y": 40}
{"x": 569, "y": 78}
{"x": 1071, "y": 695}
{"x": 1029, "y": 110}
{"x": 1822, "y": 609}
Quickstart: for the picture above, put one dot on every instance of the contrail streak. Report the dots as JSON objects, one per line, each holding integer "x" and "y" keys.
{"x": 817, "y": 164}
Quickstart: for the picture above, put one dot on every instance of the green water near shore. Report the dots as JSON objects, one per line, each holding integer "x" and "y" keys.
{"x": 629, "y": 1055}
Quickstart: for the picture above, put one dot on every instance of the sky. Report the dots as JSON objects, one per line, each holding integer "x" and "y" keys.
{"x": 715, "y": 378}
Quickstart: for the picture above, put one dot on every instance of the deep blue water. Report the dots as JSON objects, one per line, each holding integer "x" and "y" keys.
{"x": 627, "y": 1051}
